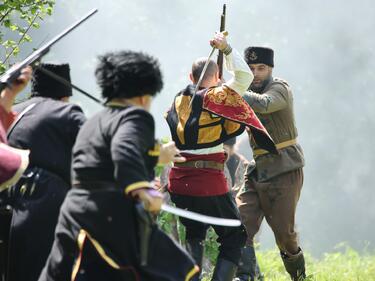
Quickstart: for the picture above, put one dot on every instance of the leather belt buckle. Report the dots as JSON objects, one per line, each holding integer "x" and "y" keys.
{"x": 198, "y": 164}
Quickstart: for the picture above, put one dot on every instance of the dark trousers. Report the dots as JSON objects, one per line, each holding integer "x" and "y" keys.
{"x": 36, "y": 201}
{"x": 110, "y": 218}
{"x": 231, "y": 239}
{"x": 276, "y": 200}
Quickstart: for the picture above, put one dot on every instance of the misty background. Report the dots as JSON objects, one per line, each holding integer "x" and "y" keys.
{"x": 324, "y": 49}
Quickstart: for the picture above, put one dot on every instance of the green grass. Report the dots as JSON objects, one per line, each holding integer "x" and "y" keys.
{"x": 345, "y": 264}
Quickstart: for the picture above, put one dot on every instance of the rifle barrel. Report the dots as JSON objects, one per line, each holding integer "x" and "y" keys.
{"x": 70, "y": 28}
{"x": 220, "y": 57}
{"x": 12, "y": 74}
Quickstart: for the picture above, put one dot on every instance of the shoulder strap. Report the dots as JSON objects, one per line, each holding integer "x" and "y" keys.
{"x": 281, "y": 81}
{"x": 28, "y": 108}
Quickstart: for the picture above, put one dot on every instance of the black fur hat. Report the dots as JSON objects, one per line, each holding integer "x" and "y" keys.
{"x": 127, "y": 74}
{"x": 259, "y": 55}
{"x": 45, "y": 86}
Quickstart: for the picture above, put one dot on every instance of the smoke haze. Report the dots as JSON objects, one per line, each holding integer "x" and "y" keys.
{"x": 324, "y": 49}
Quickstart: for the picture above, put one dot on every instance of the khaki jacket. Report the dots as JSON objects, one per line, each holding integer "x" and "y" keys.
{"x": 274, "y": 108}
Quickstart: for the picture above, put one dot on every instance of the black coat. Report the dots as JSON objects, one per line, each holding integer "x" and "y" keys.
{"x": 48, "y": 130}
{"x": 98, "y": 232}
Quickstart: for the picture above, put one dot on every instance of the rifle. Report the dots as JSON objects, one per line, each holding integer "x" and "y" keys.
{"x": 220, "y": 55}
{"x": 14, "y": 72}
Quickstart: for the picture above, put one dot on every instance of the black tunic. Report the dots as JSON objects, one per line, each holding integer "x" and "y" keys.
{"x": 97, "y": 233}
{"x": 48, "y": 130}
{"x": 118, "y": 146}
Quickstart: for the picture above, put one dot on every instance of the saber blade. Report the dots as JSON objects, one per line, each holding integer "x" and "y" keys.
{"x": 199, "y": 217}
{"x": 201, "y": 76}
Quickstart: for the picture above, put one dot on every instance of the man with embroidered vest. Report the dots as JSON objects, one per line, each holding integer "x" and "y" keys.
{"x": 47, "y": 125}
{"x": 273, "y": 185}
{"x": 216, "y": 114}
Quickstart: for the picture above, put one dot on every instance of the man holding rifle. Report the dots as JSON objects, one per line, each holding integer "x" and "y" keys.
{"x": 47, "y": 125}
{"x": 199, "y": 128}
{"x": 13, "y": 162}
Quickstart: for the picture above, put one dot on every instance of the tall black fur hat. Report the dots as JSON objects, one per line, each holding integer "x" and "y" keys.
{"x": 45, "y": 86}
{"x": 259, "y": 55}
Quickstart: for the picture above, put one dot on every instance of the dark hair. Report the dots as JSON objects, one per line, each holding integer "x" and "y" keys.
{"x": 128, "y": 74}
{"x": 197, "y": 67}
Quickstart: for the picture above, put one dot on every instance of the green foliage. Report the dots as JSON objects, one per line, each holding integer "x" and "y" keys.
{"x": 211, "y": 247}
{"x": 172, "y": 226}
{"x": 17, "y": 17}
{"x": 345, "y": 264}
{"x": 160, "y": 167}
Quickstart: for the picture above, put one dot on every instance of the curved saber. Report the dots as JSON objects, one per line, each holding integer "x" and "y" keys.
{"x": 199, "y": 217}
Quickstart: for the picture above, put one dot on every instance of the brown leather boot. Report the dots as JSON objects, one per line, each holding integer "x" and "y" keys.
{"x": 295, "y": 265}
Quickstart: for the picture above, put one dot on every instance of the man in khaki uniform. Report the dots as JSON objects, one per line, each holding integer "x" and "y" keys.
{"x": 273, "y": 184}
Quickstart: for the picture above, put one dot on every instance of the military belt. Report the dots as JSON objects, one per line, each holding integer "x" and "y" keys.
{"x": 280, "y": 145}
{"x": 201, "y": 164}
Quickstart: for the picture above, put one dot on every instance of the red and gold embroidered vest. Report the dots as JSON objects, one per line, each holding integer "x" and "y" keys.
{"x": 216, "y": 115}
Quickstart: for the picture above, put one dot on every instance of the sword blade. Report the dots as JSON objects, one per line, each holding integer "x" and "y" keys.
{"x": 201, "y": 76}
{"x": 199, "y": 217}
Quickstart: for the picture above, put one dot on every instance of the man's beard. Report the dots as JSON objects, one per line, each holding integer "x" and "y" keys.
{"x": 260, "y": 87}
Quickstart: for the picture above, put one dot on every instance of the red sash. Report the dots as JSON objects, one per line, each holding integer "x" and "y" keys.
{"x": 197, "y": 181}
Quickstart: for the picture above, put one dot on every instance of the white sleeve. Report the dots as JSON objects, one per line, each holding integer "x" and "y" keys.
{"x": 242, "y": 75}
